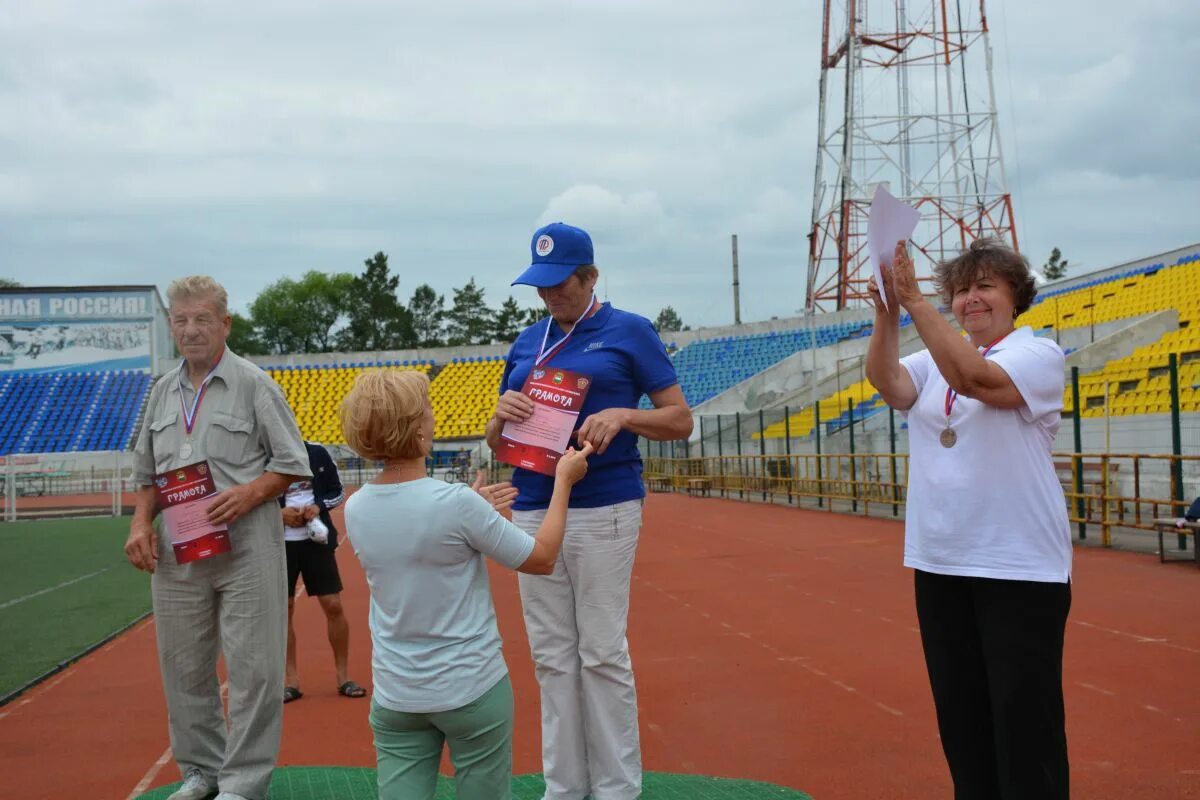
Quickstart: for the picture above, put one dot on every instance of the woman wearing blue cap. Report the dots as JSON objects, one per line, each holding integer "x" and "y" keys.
{"x": 576, "y": 616}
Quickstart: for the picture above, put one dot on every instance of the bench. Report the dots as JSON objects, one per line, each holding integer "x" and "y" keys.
{"x": 699, "y": 486}
{"x": 1179, "y": 526}
{"x": 659, "y": 483}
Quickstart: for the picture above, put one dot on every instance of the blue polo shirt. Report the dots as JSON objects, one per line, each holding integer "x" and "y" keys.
{"x": 625, "y": 359}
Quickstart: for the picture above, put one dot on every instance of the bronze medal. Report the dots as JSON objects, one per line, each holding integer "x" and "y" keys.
{"x": 948, "y": 438}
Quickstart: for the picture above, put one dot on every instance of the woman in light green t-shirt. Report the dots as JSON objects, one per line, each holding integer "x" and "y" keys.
{"x": 439, "y": 677}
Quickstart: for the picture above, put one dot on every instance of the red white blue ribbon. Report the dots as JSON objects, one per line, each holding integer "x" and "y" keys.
{"x": 544, "y": 354}
{"x": 189, "y": 417}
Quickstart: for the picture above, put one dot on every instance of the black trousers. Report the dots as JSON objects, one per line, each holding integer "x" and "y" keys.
{"x": 994, "y": 649}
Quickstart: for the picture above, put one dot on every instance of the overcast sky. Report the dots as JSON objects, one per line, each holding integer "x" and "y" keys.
{"x": 140, "y": 141}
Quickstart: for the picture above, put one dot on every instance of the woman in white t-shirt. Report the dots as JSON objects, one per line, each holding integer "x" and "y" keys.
{"x": 439, "y": 675}
{"x": 986, "y": 526}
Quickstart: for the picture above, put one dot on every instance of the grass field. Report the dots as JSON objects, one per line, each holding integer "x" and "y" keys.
{"x": 66, "y": 586}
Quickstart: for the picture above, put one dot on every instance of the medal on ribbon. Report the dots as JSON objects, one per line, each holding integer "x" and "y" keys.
{"x": 189, "y": 416}
{"x": 948, "y": 436}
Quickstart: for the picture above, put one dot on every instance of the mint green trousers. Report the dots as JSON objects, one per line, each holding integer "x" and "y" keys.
{"x": 408, "y": 748}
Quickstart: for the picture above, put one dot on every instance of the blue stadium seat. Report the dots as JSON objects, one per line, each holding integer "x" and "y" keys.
{"x": 70, "y": 411}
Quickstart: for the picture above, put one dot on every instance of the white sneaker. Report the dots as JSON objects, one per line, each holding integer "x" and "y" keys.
{"x": 229, "y": 796}
{"x": 194, "y": 787}
{"x": 317, "y": 531}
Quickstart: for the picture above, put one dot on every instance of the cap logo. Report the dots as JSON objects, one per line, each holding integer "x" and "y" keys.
{"x": 544, "y": 245}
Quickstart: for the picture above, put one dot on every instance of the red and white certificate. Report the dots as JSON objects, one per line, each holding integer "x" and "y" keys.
{"x": 184, "y": 496}
{"x": 537, "y": 443}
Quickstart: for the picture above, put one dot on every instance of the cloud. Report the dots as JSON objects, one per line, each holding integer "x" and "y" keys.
{"x": 775, "y": 212}
{"x": 250, "y": 141}
{"x": 605, "y": 213}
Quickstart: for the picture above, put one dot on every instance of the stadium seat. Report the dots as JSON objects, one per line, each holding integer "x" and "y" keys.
{"x": 315, "y": 392}
{"x": 70, "y": 411}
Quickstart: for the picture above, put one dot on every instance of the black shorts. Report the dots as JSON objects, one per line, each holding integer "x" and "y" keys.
{"x": 317, "y": 563}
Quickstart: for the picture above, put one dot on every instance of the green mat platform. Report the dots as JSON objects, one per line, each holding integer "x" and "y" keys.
{"x": 358, "y": 783}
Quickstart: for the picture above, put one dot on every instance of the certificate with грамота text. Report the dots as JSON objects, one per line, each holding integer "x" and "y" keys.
{"x": 539, "y": 442}
{"x": 184, "y": 496}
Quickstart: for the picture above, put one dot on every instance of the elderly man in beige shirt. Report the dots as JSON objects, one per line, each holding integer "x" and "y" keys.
{"x": 218, "y": 407}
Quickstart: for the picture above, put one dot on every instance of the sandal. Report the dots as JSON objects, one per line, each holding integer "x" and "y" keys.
{"x": 291, "y": 693}
{"x": 351, "y": 689}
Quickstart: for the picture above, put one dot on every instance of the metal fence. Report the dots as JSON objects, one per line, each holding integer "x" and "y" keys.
{"x": 91, "y": 484}
{"x": 47, "y": 485}
{"x": 1119, "y": 470}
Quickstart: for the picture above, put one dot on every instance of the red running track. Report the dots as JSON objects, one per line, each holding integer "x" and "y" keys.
{"x": 770, "y": 644}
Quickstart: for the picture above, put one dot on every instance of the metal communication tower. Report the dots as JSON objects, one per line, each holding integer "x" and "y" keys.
{"x": 906, "y": 99}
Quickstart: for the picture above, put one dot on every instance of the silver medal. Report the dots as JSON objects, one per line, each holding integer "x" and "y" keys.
{"x": 185, "y": 452}
{"x": 948, "y": 438}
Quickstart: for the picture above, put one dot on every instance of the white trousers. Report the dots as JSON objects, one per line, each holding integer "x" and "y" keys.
{"x": 576, "y": 621}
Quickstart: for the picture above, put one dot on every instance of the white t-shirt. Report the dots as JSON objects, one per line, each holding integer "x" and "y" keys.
{"x": 991, "y": 506}
{"x": 433, "y": 627}
{"x": 298, "y": 495}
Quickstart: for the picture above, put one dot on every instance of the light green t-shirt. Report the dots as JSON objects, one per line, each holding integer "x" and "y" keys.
{"x": 433, "y": 627}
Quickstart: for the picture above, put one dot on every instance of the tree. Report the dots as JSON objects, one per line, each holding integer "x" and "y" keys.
{"x": 301, "y": 316}
{"x": 510, "y": 319}
{"x": 377, "y": 318}
{"x": 427, "y": 309}
{"x": 1054, "y": 268}
{"x": 668, "y": 321}
{"x": 243, "y": 340}
{"x": 325, "y": 302}
{"x": 534, "y": 314}
{"x": 275, "y": 316}
{"x": 8, "y": 283}
{"x": 469, "y": 320}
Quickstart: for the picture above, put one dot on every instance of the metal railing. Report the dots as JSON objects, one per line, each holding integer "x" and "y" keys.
{"x": 1104, "y": 491}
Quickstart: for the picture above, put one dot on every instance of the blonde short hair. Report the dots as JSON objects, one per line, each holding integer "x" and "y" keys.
{"x": 198, "y": 287}
{"x": 381, "y": 416}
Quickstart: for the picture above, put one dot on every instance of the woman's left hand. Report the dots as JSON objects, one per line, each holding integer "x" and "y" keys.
{"x": 500, "y": 496}
{"x": 904, "y": 278}
{"x": 601, "y": 428}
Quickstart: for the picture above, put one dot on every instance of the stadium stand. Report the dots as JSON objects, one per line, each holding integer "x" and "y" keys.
{"x": 1138, "y": 383}
{"x": 834, "y": 411}
{"x": 710, "y": 366}
{"x": 1127, "y": 294}
{"x": 464, "y": 395}
{"x": 314, "y": 392}
{"x": 68, "y": 411}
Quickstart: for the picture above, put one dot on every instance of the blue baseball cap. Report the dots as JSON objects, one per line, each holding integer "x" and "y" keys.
{"x": 558, "y": 250}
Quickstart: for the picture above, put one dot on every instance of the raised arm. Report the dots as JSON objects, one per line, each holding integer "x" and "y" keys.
{"x": 547, "y": 542}
{"x": 884, "y": 370}
{"x": 962, "y": 365}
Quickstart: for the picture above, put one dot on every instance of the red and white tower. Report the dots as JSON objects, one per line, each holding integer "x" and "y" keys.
{"x": 906, "y": 99}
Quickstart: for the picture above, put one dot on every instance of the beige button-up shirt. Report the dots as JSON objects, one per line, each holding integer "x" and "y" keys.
{"x": 243, "y": 428}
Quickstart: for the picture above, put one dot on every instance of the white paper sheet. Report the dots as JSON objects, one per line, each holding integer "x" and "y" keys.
{"x": 888, "y": 221}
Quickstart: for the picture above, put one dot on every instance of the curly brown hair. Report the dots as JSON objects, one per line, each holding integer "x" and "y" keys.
{"x": 987, "y": 257}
